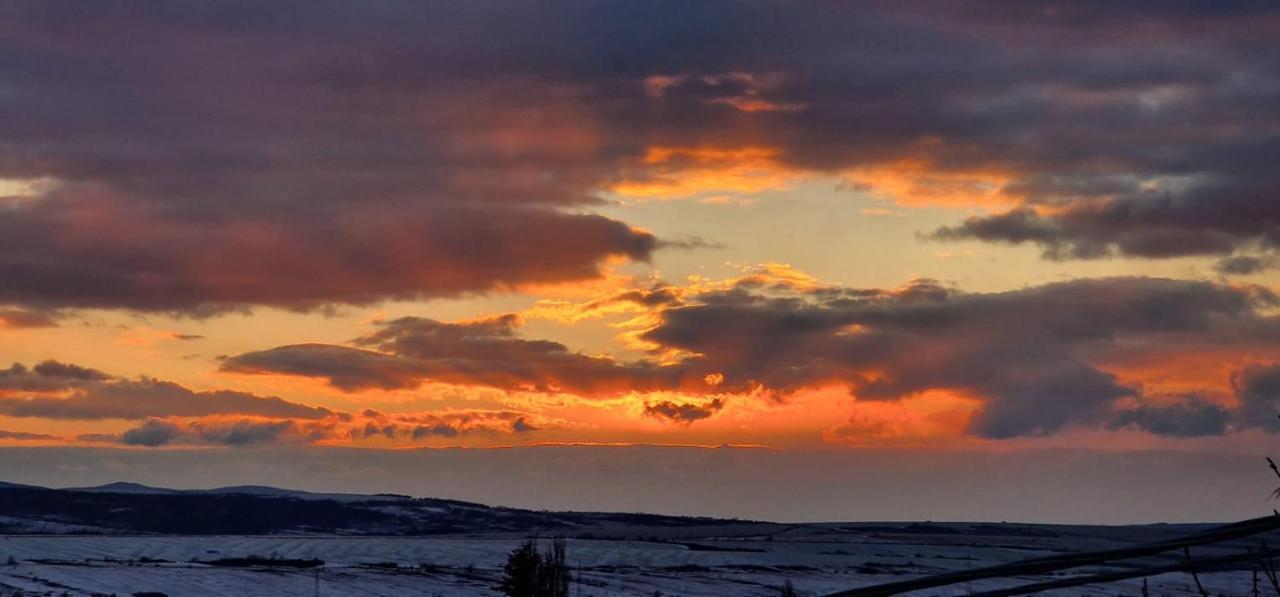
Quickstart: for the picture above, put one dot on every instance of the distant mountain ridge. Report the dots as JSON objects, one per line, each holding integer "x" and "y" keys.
{"x": 256, "y": 490}
{"x": 123, "y": 487}
{"x": 133, "y": 508}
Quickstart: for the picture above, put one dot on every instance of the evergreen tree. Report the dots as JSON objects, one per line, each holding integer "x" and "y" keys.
{"x": 520, "y": 573}
{"x": 529, "y": 573}
{"x": 554, "y": 574}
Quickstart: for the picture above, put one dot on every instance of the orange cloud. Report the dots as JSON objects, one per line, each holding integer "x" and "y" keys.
{"x": 685, "y": 172}
{"x": 731, "y": 356}
{"x": 928, "y": 417}
{"x": 722, "y": 175}
{"x": 27, "y": 438}
{"x": 368, "y": 427}
{"x": 914, "y": 182}
{"x": 12, "y": 318}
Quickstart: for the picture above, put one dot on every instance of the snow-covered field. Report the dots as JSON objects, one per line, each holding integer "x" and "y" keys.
{"x": 816, "y": 558}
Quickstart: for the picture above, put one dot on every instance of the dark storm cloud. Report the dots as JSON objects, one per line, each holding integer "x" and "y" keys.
{"x": 214, "y": 156}
{"x": 1030, "y": 356}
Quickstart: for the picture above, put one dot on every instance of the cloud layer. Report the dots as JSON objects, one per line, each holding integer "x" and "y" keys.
{"x": 412, "y": 350}
{"x": 1029, "y": 362}
{"x": 171, "y": 414}
{"x": 55, "y": 390}
{"x": 139, "y": 399}
{"x": 301, "y": 155}
{"x": 1038, "y": 359}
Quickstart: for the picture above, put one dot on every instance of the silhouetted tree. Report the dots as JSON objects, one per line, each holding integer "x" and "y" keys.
{"x": 520, "y": 573}
{"x": 528, "y": 573}
{"x": 788, "y": 590}
{"x": 554, "y": 573}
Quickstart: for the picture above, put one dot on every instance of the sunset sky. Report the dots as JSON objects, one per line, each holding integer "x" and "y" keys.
{"x": 907, "y": 227}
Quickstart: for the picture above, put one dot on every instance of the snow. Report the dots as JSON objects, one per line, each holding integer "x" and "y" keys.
{"x": 729, "y": 561}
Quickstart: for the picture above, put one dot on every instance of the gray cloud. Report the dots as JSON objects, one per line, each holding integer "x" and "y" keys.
{"x": 151, "y": 433}
{"x": 26, "y": 436}
{"x": 55, "y": 369}
{"x": 1092, "y": 231}
{"x": 454, "y": 424}
{"x": 683, "y": 413}
{"x": 344, "y": 367}
{"x": 413, "y": 350}
{"x": 156, "y": 432}
{"x": 456, "y": 164}
{"x": 1257, "y": 389}
{"x": 441, "y": 425}
{"x": 94, "y": 395}
{"x": 1243, "y": 265}
{"x": 236, "y": 431}
{"x": 1192, "y": 416}
{"x": 47, "y": 376}
{"x": 438, "y": 429}
{"x": 1022, "y": 352}
{"x": 171, "y": 414}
